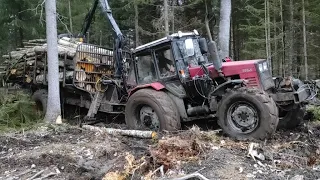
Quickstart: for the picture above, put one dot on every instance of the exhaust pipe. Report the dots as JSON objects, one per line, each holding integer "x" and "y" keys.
{"x": 213, "y": 50}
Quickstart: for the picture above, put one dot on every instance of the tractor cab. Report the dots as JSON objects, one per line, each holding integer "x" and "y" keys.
{"x": 167, "y": 59}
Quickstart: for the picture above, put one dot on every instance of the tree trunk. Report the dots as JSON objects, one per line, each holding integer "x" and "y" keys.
{"x": 53, "y": 107}
{"x": 269, "y": 36}
{"x": 224, "y": 28}
{"x": 70, "y": 17}
{"x": 276, "y": 64}
{"x": 166, "y": 17}
{"x": 207, "y": 22}
{"x": 136, "y": 22}
{"x": 266, "y": 29}
{"x": 173, "y": 11}
{"x": 305, "y": 54}
{"x": 291, "y": 41}
{"x": 283, "y": 45}
{"x": 21, "y": 36}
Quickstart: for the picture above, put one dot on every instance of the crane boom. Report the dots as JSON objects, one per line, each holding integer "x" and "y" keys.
{"x": 88, "y": 19}
{"x": 118, "y": 36}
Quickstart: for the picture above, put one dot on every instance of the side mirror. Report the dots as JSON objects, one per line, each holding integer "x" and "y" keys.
{"x": 213, "y": 50}
{"x": 203, "y": 45}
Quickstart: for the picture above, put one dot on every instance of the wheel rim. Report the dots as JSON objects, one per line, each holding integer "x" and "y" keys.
{"x": 243, "y": 117}
{"x": 149, "y": 118}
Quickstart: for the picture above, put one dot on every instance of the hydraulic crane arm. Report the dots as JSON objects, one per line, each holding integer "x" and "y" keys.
{"x": 88, "y": 19}
{"x": 118, "y": 36}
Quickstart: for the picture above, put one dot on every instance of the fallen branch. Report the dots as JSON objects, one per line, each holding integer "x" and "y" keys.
{"x": 36, "y": 175}
{"x": 132, "y": 133}
{"x": 48, "y": 175}
{"x": 193, "y": 175}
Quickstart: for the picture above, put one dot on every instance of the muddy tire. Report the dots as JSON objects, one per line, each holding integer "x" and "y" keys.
{"x": 291, "y": 116}
{"x": 247, "y": 114}
{"x": 40, "y": 98}
{"x": 153, "y": 110}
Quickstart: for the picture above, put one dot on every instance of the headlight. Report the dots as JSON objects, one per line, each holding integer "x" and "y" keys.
{"x": 260, "y": 68}
{"x": 265, "y": 66}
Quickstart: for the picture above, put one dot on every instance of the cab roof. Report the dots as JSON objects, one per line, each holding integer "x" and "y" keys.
{"x": 165, "y": 39}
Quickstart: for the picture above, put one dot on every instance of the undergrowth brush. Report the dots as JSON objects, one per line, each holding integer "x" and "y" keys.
{"x": 17, "y": 111}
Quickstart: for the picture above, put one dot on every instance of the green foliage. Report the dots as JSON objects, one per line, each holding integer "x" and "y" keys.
{"x": 17, "y": 111}
{"x": 315, "y": 111}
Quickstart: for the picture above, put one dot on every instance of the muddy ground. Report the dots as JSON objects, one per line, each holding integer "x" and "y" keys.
{"x": 70, "y": 152}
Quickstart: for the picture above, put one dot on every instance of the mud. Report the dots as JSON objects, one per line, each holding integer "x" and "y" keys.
{"x": 69, "y": 152}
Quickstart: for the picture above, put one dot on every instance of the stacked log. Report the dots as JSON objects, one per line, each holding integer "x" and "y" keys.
{"x": 28, "y": 64}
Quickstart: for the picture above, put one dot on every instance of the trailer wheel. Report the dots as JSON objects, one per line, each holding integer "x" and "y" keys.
{"x": 291, "y": 116}
{"x": 153, "y": 110}
{"x": 40, "y": 98}
{"x": 247, "y": 114}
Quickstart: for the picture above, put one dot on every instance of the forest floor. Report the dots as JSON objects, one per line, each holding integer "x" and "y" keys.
{"x": 70, "y": 152}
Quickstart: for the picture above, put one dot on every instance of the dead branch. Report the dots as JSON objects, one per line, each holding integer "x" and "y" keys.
{"x": 48, "y": 175}
{"x": 36, "y": 175}
{"x": 193, "y": 175}
{"x": 112, "y": 131}
{"x": 158, "y": 169}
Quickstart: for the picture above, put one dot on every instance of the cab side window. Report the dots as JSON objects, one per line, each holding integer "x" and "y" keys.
{"x": 146, "y": 69}
{"x": 165, "y": 62}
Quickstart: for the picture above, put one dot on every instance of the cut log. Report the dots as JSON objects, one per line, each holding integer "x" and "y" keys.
{"x": 32, "y": 44}
{"x": 6, "y": 56}
{"x": 131, "y": 133}
{"x": 38, "y": 41}
{"x": 66, "y": 43}
{"x": 69, "y": 75}
{"x": 70, "y": 52}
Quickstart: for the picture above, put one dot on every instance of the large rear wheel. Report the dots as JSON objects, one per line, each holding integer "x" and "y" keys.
{"x": 153, "y": 110}
{"x": 247, "y": 114}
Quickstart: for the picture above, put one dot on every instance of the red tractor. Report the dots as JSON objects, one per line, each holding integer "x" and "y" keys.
{"x": 174, "y": 79}
{"x": 179, "y": 78}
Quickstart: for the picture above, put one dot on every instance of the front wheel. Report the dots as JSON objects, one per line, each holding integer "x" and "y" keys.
{"x": 152, "y": 110}
{"x": 247, "y": 114}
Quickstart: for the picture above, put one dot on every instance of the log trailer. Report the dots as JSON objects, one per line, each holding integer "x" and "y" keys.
{"x": 176, "y": 79}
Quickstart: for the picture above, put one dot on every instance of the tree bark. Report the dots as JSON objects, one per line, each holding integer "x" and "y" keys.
{"x": 166, "y": 17}
{"x": 282, "y": 63}
{"x": 136, "y": 22}
{"x": 266, "y": 29}
{"x": 305, "y": 53}
{"x": 70, "y": 16}
{"x": 276, "y": 64}
{"x": 269, "y": 36}
{"x": 291, "y": 41}
{"x": 132, "y": 133}
{"x": 224, "y": 28}
{"x": 207, "y": 22}
{"x": 53, "y": 107}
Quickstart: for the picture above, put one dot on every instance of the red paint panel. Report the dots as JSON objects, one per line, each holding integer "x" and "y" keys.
{"x": 245, "y": 69}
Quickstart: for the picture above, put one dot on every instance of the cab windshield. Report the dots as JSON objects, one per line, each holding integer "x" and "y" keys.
{"x": 189, "y": 52}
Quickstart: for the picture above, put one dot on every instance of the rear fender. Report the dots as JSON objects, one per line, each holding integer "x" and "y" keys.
{"x": 156, "y": 86}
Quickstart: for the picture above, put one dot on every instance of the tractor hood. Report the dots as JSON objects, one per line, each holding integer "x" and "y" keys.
{"x": 229, "y": 68}
{"x": 255, "y": 72}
